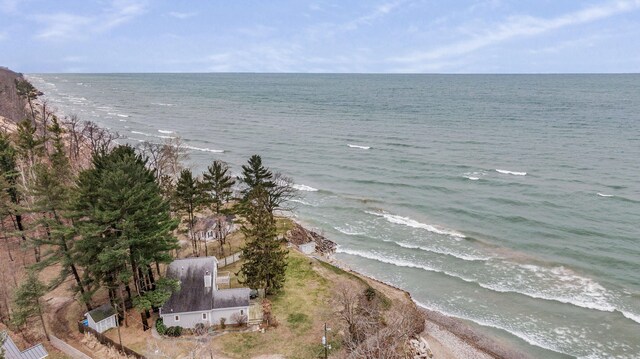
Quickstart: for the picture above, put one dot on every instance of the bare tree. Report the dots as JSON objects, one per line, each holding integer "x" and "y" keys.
{"x": 99, "y": 139}
{"x": 73, "y": 124}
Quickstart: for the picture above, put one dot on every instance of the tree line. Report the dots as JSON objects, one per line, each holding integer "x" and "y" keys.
{"x": 107, "y": 214}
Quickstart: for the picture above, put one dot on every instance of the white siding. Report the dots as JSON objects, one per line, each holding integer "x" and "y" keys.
{"x": 187, "y": 320}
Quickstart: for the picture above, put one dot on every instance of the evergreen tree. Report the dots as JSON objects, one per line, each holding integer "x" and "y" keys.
{"x": 123, "y": 221}
{"x": 3, "y": 338}
{"x": 9, "y": 172}
{"x": 218, "y": 185}
{"x": 265, "y": 260}
{"x": 28, "y": 92}
{"x": 51, "y": 192}
{"x": 189, "y": 196}
{"x": 255, "y": 176}
{"x": 27, "y": 301}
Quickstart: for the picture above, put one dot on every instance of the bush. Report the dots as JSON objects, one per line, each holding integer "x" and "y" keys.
{"x": 239, "y": 319}
{"x": 223, "y": 320}
{"x": 370, "y": 293}
{"x": 200, "y": 329}
{"x": 174, "y": 331}
{"x": 160, "y": 327}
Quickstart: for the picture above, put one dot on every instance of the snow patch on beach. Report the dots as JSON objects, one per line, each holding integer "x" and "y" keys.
{"x": 359, "y": 147}
{"x": 406, "y": 221}
{"x": 302, "y": 187}
{"x": 514, "y": 173}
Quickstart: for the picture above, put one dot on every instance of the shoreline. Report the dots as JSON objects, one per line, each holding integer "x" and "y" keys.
{"x": 449, "y": 337}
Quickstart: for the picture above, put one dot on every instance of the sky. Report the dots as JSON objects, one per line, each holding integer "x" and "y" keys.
{"x": 346, "y": 36}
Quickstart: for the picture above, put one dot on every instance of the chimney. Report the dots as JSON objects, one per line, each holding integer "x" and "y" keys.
{"x": 207, "y": 279}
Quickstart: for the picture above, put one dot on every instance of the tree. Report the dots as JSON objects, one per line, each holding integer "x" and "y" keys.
{"x": 27, "y": 301}
{"x": 277, "y": 188}
{"x": 265, "y": 260}
{"x": 218, "y": 185}
{"x": 9, "y": 171}
{"x": 3, "y": 338}
{"x": 124, "y": 223}
{"x": 51, "y": 192}
{"x": 28, "y": 92}
{"x": 155, "y": 298}
{"x": 189, "y": 197}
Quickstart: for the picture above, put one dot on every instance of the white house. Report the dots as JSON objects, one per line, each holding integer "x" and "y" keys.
{"x": 102, "y": 318}
{"x": 206, "y": 228}
{"x": 199, "y": 300}
{"x": 11, "y": 350}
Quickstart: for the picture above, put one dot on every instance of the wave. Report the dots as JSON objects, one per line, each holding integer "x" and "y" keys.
{"x": 202, "y": 149}
{"x": 296, "y": 200}
{"x": 360, "y": 147}
{"x": 634, "y": 317}
{"x": 150, "y": 135}
{"x": 162, "y": 104}
{"x": 472, "y": 178}
{"x": 463, "y": 256}
{"x": 166, "y": 131}
{"x": 415, "y": 224}
{"x": 117, "y": 114}
{"x": 348, "y": 232}
{"x": 604, "y": 195}
{"x": 592, "y": 295}
{"x": 511, "y": 172}
{"x": 526, "y": 337}
{"x": 302, "y": 187}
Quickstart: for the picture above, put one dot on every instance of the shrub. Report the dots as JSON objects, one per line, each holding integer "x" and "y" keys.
{"x": 200, "y": 329}
{"x": 370, "y": 293}
{"x": 160, "y": 327}
{"x": 174, "y": 331}
{"x": 223, "y": 320}
{"x": 239, "y": 319}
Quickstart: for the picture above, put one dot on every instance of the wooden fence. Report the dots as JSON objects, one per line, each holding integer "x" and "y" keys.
{"x": 107, "y": 341}
{"x": 223, "y": 262}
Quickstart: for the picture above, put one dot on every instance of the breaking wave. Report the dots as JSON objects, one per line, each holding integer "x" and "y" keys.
{"x": 511, "y": 172}
{"x": 166, "y": 131}
{"x": 604, "y": 195}
{"x": 302, "y": 187}
{"x": 348, "y": 231}
{"x": 406, "y": 221}
{"x": 463, "y": 256}
{"x": 202, "y": 149}
{"x": 360, "y": 147}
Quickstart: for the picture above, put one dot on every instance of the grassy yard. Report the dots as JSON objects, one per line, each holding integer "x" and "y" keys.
{"x": 301, "y": 310}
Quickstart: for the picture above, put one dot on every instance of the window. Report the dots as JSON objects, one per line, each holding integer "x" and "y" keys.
{"x": 177, "y": 318}
{"x": 241, "y": 312}
{"x": 204, "y": 316}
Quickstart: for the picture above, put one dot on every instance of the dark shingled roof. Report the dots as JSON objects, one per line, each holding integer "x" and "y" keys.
{"x": 102, "y": 312}
{"x": 192, "y": 296}
{"x": 229, "y": 298}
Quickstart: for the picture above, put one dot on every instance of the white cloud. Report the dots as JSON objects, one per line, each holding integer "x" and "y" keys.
{"x": 62, "y": 26}
{"x": 182, "y": 15}
{"x": 515, "y": 27}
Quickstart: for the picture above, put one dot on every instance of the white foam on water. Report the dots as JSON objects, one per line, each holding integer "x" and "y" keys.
{"x": 117, "y": 114}
{"x": 162, "y": 104}
{"x": 511, "y": 172}
{"x": 121, "y": 120}
{"x": 360, "y": 147}
{"x": 302, "y": 187}
{"x": 202, "y": 149}
{"x": 406, "y": 221}
{"x": 463, "y": 256}
{"x": 472, "y": 178}
{"x": 348, "y": 231}
{"x": 604, "y": 195}
{"x": 527, "y": 337}
{"x": 296, "y": 200}
{"x": 632, "y": 316}
{"x": 166, "y": 131}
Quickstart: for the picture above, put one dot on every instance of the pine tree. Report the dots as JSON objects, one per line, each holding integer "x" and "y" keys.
{"x": 189, "y": 197}
{"x": 27, "y": 301}
{"x": 278, "y": 188}
{"x": 265, "y": 260}
{"x": 124, "y": 223}
{"x": 218, "y": 185}
{"x": 51, "y": 193}
{"x": 9, "y": 171}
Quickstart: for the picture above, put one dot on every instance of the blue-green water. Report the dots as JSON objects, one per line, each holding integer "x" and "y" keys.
{"x": 509, "y": 201}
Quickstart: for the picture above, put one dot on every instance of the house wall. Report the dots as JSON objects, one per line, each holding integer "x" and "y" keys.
{"x": 105, "y": 324}
{"x": 90, "y": 323}
{"x": 227, "y": 313}
{"x": 187, "y": 320}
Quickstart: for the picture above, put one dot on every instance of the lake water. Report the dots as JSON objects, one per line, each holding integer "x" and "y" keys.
{"x": 511, "y": 201}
